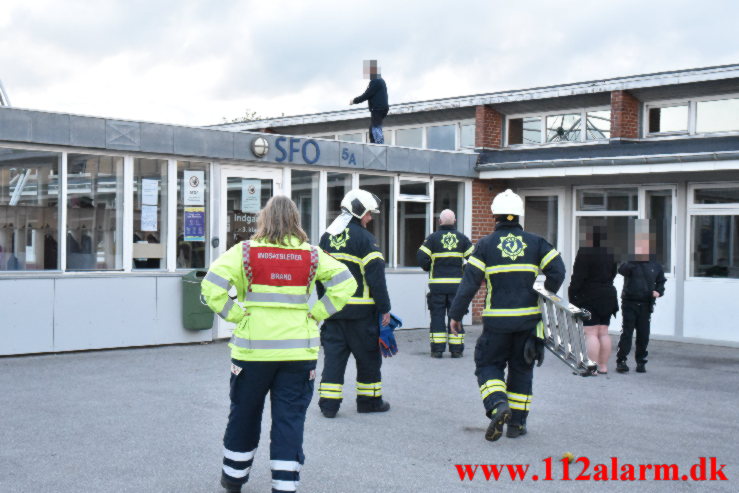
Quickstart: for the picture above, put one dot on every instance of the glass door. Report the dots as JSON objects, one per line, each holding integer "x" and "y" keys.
{"x": 243, "y": 193}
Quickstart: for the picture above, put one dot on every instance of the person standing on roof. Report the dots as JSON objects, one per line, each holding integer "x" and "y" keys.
{"x": 376, "y": 97}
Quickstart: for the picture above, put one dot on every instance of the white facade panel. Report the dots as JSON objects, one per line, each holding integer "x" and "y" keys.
{"x": 26, "y": 316}
{"x": 709, "y": 310}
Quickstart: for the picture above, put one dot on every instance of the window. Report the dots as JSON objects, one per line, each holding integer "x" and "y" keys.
{"x": 29, "y": 210}
{"x": 352, "y": 137}
{"x": 413, "y": 219}
{"x": 338, "y": 184}
{"x": 598, "y": 125}
{"x": 524, "y": 130}
{"x": 717, "y": 116}
{"x": 714, "y": 224}
{"x": 659, "y": 213}
{"x": 409, "y": 137}
{"x": 619, "y": 231}
{"x": 564, "y": 128}
{"x": 441, "y": 137}
{"x": 94, "y": 212}
{"x": 607, "y": 199}
{"x": 380, "y": 224}
{"x": 449, "y": 195}
{"x": 668, "y": 119}
{"x": 467, "y": 136}
{"x": 304, "y": 191}
{"x": 149, "y": 213}
{"x": 193, "y": 216}
{"x": 541, "y": 216}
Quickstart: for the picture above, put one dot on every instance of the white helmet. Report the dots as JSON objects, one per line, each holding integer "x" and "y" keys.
{"x": 507, "y": 203}
{"x": 358, "y": 202}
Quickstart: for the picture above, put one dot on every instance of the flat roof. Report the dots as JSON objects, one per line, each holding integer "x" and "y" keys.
{"x": 631, "y": 82}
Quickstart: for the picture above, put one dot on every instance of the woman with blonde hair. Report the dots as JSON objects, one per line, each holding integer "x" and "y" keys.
{"x": 275, "y": 344}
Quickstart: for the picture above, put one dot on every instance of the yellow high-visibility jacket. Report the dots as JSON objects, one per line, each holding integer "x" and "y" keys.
{"x": 273, "y": 282}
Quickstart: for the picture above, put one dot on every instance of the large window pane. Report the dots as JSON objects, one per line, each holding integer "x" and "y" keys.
{"x": 94, "y": 212}
{"x": 467, "y": 136}
{"x": 193, "y": 216}
{"x": 564, "y": 128}
{"x": 409, "y": 137}
{"x": 241, "y": 214}
{"x": 607, "y": 199}
{"x": 541, "y": 217}
{"x": 29, "y": 210}
{"x": 598, "y": 125}
{"x": 715, "y": 249}
{"x": 449, "y": 195}
{"x": 668, "y": 119}
{"x": 717, "y": 116}
{"x": 659, "y": 209}
{"x": 524, "y": 130}
{"x": 618, "y": 233}
{"x": 304, "y": 191}
{"x": 441, "y": 138}
{"x": 338, "y": 184}
{"x": 412, "y": 230}
{"x": 149, "y": 213}
{"x": 380, "y": 224}
{"x": 717, "y": 196}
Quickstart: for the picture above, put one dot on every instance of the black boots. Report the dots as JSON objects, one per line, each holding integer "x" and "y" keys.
{"x": 456, "y": 354}
{"x": 499, "y": 416}
{"x": 228, "y": 485}
{"x": 641, "y": 367}
{"x": 621, "y": 367}
{"x": 373, "y": 406}
{"x": 436, "y": 354}
{"x": 515, "y": 430}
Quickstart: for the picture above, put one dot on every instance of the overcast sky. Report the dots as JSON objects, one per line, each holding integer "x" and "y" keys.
{"x": 195, "y": 62}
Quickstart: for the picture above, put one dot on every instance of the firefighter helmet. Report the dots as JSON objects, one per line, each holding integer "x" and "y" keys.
{"x": 359, "y": 202}
{"x": 507, "y": 203}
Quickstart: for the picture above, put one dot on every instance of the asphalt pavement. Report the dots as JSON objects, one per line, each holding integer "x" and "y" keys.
{"x": 152, "y": 420}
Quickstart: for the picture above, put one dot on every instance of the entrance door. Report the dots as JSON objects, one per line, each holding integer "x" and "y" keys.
{"x": 243, "y": 193}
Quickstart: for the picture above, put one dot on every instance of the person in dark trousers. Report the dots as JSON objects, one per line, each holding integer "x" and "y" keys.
{"x": 354, "y": 330}
{"x": 508, "y": 260}
{"x": 376, "y": 97}
{"x": 644, "y": 282}
{"x": 442, "y": 256}
{"x": 591, "y": 288}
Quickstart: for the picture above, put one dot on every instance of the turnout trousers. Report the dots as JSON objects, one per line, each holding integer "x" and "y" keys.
{"x": 636, "y": 316}
{"x": 496, "y": 352}
{"x": 440, "y": 335}
{"x": 340, "y": 338}
{"x": 290, "y": 386}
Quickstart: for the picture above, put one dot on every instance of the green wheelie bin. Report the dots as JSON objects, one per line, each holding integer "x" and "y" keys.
{"x": 195, "y": 314}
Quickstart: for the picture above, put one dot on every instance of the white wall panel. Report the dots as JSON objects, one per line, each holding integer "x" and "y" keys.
{"x": 26, "y": 316}
{"x": 710, "y": 309}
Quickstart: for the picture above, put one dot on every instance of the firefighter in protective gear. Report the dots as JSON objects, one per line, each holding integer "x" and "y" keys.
{"x": 354, "y": 329}
{"x": 508, "y": 260}
{"x": 274, "y": 347}
{"x": 442, "y": 256}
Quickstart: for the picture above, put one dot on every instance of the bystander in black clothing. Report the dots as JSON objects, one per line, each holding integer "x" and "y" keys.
{"x": 591, "y": 286}
{"x": 377, "y": 101}
{"x": 642, "y": 280}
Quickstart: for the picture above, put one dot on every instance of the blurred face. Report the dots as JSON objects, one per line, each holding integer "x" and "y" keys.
{"x": 370, "y": 68}
{"x": 366, "y": 219}
{"x": 641, "y": 246}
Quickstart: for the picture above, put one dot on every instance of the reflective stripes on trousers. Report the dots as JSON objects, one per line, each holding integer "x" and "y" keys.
{"x": 522, "y": 402}
{"x": 281, "y": 471}
{"x": 492, "y": 386}
{"x": 330, "y": 390}
{"x": 369, "y": 389}
{"x": 438, "y": 337}
{"x": 237, "y": 465}
{"x": 456, "y": 339}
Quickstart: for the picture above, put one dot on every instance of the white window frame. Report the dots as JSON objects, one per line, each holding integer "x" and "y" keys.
{"x": 543, "y": 127}
{"x": 692, "y": 104}
{"x": 558, "y": 192}
{"x": 455, "y": 128}
{"x": 460, "y": 124}
{"x": 706, "y": 210}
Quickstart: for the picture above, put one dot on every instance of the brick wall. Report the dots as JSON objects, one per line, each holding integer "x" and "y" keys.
{"x": 483, "y": 192}
{"x": 488, "y": 128}
{"x": 624, "y": 115}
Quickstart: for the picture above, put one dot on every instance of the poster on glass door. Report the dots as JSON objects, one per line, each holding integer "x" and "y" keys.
{"x": 251, "y": 195}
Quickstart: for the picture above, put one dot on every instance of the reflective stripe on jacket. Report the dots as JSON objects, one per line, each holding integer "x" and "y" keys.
{"x": 273, "y": 324}
{"x": 442, "y": 256}
{"x": 508, "y": 261}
